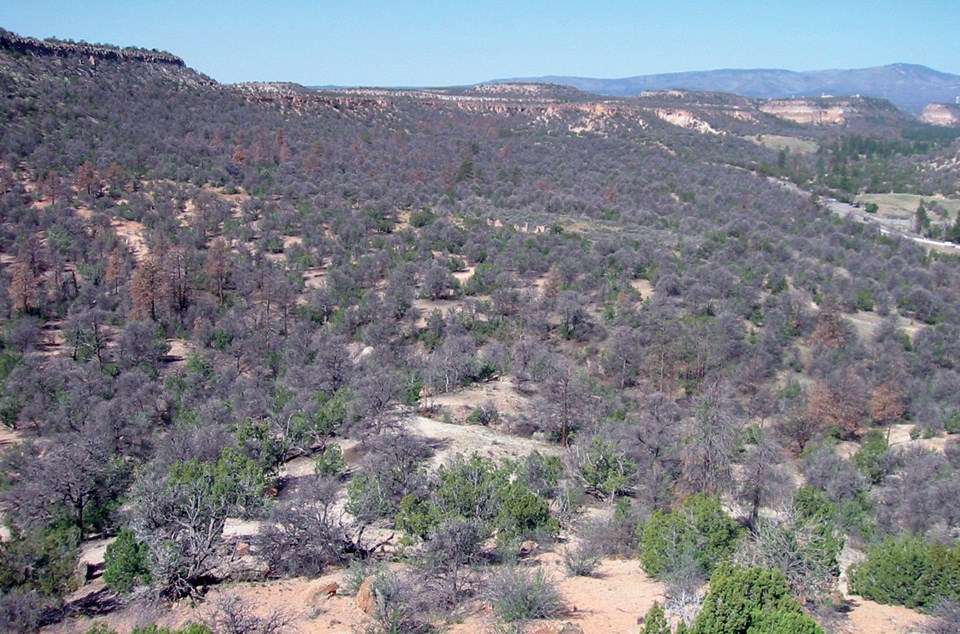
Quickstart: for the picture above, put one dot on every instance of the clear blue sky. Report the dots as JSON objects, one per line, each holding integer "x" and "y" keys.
{"x": 449, "y": 42}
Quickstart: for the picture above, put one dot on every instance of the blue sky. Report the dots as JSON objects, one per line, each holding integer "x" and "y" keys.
{"x": 436, "y": 42}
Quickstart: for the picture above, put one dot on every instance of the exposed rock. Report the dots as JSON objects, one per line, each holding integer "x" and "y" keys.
{"x": 324, "y": 592}
{"x": 529, "y": 547}
{"x": 92, "y": 52}
{"x": 365, "y": 599}
{"x": 941, "y": 114}
{"x": 685, "y": 119}
{"x": 807, "y": 110}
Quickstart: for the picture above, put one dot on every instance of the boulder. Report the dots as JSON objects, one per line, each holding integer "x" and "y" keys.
{"x": 324, "y": 592}
{"x": 365, "y": 599}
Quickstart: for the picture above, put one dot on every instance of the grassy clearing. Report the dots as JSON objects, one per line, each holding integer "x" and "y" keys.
{"x": 905, "y": 205}
{"x": 779, "y": 142}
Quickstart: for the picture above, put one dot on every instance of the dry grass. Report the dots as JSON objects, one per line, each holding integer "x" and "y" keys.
{"x": 779, "y": 142}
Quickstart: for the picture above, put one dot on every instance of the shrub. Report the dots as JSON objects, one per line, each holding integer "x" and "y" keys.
{"x": 395, "y": 607}
{"x": 40, "y": 560}
{"x": 479, "y": 489}
{"x": 20, "y": 611}
{"x": 616, "y": 536}
{"x": 358, "y": 571}
{"x": 126, "y": 563}
{"x": 655, "y": 620}
{"x": 699, "y": 532}
{"x": 751, "y": 601}
{"x": 233, "y": 615}
{"x": 908, "y": 570}
{"x": 330, "y": 462}
{"x": 603, "y": 467}
{"x": 873, "y": 457}
{"x": 581, "y": 560}
{"x": 485, "y": 415}
{"x": 518, "y": 594}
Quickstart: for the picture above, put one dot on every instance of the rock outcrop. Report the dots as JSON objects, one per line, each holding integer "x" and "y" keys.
{"x": 366, "y": 602}
{"x": 941, "y": 114}
{"x": 92, "y": 52}
{"x": 807, "y": 111}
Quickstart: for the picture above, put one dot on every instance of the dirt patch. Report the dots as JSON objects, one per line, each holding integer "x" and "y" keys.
{"x": 179, "y": 351}
{"x": 867, "y": 617}
{"x": 899, "y": 438}
{"x": 609, "y": 602}
{"x": 10, "y": 437}
{"x": 427, "y": 306}
{"x": 132, "y": 233}
{"x": 473, "y": 439}
{"x": 865, "y": 323}
{"x": 644, "y": 287}
{"x": 501, "y": 393}
{"x": 464, "y": 276}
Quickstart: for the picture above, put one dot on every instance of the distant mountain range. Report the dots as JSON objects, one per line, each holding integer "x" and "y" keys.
{"x": 909, "y": 86}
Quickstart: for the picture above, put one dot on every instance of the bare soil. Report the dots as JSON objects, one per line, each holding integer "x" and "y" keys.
{"x": 611, "y": 601}
{"x": 502, "y": 393}
{"x": 452, "y": 439}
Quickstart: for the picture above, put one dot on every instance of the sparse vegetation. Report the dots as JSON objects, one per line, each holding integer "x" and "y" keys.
{"x": 216, "y": 298}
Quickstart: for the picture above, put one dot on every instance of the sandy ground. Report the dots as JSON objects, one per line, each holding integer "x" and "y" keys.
{"x": 899, "y": 437}
{"x": 132, "y": 233}
{"x": 502, "y": 393}
{"x": 609, "y": 602}
{"x": 466, "y": 440}
{"x": 644, "y": 287}
{"x": 867, "y": 617}
{"x": 865, "y": 323}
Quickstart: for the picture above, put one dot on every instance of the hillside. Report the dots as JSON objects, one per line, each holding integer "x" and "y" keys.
{"x": 909, "y": 86}
{"x": 446, "y": 348}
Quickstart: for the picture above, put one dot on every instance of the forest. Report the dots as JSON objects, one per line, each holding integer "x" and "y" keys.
{"x": 246, "y": 332}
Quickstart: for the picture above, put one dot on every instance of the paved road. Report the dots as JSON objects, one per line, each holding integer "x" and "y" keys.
{"x": 888, "y": 226}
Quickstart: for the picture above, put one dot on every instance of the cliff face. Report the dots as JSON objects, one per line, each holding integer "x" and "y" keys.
{"x": 941, "y": 114}
{"x": 807, "y": 111}
{"x": 93, "y": 52}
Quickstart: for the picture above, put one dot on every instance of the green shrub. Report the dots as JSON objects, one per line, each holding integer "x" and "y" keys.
{"x": 871, "y": 458}
{"x": 422, "y": 218}
{"x": 699, "y": 532}
{"x": 40, "y": 560}
{"x": 126, "y": 563}
{"x": 496, "y": 495}
{"x": 330, "y": 462}
{"x": 952, "y": 423}
{"x": 655, "y": 620}
{"x": 357, "y": 573}
{"x": 908, "y": 570}
{"x": 751, "y": 601}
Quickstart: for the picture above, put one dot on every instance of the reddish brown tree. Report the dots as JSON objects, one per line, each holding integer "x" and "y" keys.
{"x": 886, "y": 404}
{"x": 26, "y": 273}
{"x": 147, "y": 289}
{"x": 839, "y": 401}
{"x": 831, "y": 330}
